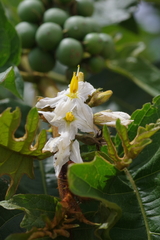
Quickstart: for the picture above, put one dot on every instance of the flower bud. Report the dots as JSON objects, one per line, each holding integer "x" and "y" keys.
{"x": 109, "y": 118}
{"x": 99, "y": 98}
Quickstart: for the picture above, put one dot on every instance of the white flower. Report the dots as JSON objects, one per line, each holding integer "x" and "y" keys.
{"x": 64, "y": 150}
{"x": 109, "y": 118}
{"x": 53, "y": 143}
{"x": 72, "y": 152}
{"x": 71, "y": 120}
{"x": 70, "y": 100}
{"x": 77, "y": 90}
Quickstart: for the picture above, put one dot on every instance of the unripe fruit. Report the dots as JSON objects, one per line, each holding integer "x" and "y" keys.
{"x": 93, "y": 43}
{"x": 26, "y": 32}
{"x": 94, "y": 25}
{"x": 96, "y": 64}
{"x": 108, "y": 49}
{"x": 84, "y": 8}
{"x": 55, "y": 15}
{"x": 76, "y": 27}
{"x": 40, "y": 61}
{"x": 69, "y": 52}
{"x": 49, "y": 35}
{"x": 31, "y": 11}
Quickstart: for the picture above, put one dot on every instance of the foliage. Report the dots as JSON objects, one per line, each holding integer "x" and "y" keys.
{"x": 21, "y": 148}
{"x": 114, "y": 194}
{"x": 133, "y": 189}
{"x": 10, "y": 56}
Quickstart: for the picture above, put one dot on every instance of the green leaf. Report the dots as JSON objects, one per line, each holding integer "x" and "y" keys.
{"x": 11, "y": 80}
{"x": 10, "y": 43}
{"x": 35, "y": 206}
{"x": 130, "y": 50}
{"x": 149, "y": 113}
{"x": 113, "y": 11}
{"x": 5, "y": 103}
{"x": 11, "y": 7}
{"x": 39, "y": 207}
{"x": 9, "y": 220}
{"x": 15, "y": 45}
{"x": 17, "y": 154}
{"x": 131, "y": 149}
{"x": 136, "y": 190}
{"x": 139, "y": 70}
{"x": 93, "y": 180}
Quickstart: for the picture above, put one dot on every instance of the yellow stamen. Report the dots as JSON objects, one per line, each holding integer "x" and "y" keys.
{"x": 80, "y": 77}
{"x": 74, "y": 84}
{"x": 69, "y": 117}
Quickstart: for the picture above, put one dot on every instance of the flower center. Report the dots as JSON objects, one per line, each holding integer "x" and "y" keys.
{"x": 69, "y": 117}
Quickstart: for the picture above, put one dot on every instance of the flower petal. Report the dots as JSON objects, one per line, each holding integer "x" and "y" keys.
{"x": 75, "y": 152}
{"x": 116, "y": 115}
{"x": 123, "y": 122}
{"x": 85, "y": 112}
{"x": 85, "y": 90}
{"x": 52, "y": 144}
{"x": 48, "y": 115}
{"x": 51, "y": 102}
{"x": 109, "y": 118}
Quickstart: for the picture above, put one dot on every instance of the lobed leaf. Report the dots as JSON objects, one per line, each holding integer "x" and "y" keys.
{"x": 35, "y": 206}
{"x": 131, "y": 149}
{"x": 17, "y": 154}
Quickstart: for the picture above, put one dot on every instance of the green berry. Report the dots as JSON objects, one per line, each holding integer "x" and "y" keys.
{"x": 93, "y": 43}
{"x": 31, "y": 11}
{"x": 69, "y": 52}
{"x": 27, "y": 32}
{"x": 49, "y": 35}
{"x": 76, "y": 27}
{"x": 85, "y": 8}
{"x": 108, "y": 49}
{"x": 94, "y": 25}
{"x": 40, "y": 60}
{"x": 55, "y": 15}
{"x": 96, "y": 64}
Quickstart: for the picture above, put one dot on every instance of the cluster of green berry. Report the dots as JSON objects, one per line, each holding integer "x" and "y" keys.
{"x": 62, "y": 30}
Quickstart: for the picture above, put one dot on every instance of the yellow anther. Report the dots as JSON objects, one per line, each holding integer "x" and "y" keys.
{"x": 74, "y": 84}
{"x": 80, "y": 77}
{"x": 69, "y": 117}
